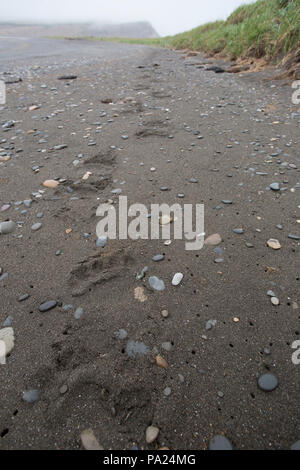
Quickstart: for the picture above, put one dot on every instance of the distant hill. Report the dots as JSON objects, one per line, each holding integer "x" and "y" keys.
{"x": 141, "y": 29}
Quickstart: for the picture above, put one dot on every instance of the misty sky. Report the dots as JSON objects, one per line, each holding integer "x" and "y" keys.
{"x": 166, "y": 16}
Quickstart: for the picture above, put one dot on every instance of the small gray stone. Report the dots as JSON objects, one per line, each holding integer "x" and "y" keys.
{"x": 268, "y": 382}
{"x": 23, "y": 297}
{"x": 63, "y": 389}
{"x": 296, "y": 446}
{"x": 293, "y": 237}
{"x": 275, "y": 186}
{"x": 101, "y": 242}
{"x": 219, "y": 442}
{"x": 121, "y": 334}
{"x": 78, "y": 313}
{"x": 136, "y": 348}
{"x": 210, "y": 324}
{"x": 36, "y": 226}
{"x": 47, "y": 305}
{"x": 227, "y": 201}
{"x": 8, "y": 321}
{"x": 156, "y": 283}
{"x": 27, "y": 202}
{"x": 31, "y": 396}
{"x": 167, "y": 346}
{"x": 7, "y": 227}
{"x": 67, "y": 307}
{"x": 158, "y": 258}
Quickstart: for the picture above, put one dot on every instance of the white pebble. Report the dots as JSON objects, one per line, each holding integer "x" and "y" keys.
{"x": 177, "y": 279}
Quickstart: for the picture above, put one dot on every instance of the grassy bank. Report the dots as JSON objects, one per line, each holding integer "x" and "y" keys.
{"x": 267, "y": 28}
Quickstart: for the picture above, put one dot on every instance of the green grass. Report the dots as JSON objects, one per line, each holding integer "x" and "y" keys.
{"x": 266, "y": 28}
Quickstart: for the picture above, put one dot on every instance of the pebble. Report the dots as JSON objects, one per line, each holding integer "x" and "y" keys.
{"x": 31, "y": 396}
{"x": 165, "y": 219}
{"x": 60, "y": 147}
{"x": 89, "y": 441}
{"x": 296, "y": 446}
{"x": 210, "y": 324}
{"x": 275, "y": 186}
{"x": 219, "y": 442}
{"x": 156, "y": 283}
{"x": 7, "y": 335}
{"x": 7, "y": 321}
{"x": 226, "y": 201}
{"x": 167, "y": 391}
{"x": 238, "y": 231}
{"x": 157, "y": 258}
{"x": 161, "y": 362}
{"x": 268, "y": 382}
{"x": 23, "y": 297}
{"x": 152, "y": 433}
{"x": 63, "y": 389}
{"x": 275, "y": 301}
{"x": 7, "y": 227}
{"x": 293, "y": 237}
{"x": 36, "y": 226}
{"x": 78, "y": 313}
{"x": 47, "y": 305}
{"x": 121, "y": 334}
{"x": 27, "y": 202}
{"x": 213, "y": 240}
{"x": 67, "y": 307}
{"x": 50, "y": 184}
{"x": 101, "y": 242}
{"x": 136, "y": 348}
{"x": 141, "y": 275}
{"x": 274, "y": 244}
{"x": 177, "y": 279}
{"x": 165, "y": 313}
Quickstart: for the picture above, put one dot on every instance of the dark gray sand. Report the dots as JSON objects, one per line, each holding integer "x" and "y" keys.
{"x": 151, "y": 123}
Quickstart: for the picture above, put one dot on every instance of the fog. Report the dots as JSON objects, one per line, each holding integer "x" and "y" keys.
{"x": 166, "y": 16}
